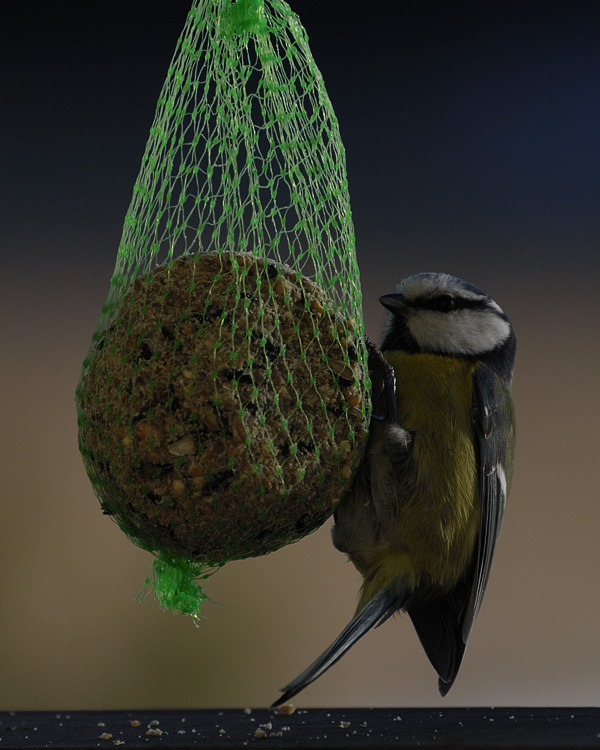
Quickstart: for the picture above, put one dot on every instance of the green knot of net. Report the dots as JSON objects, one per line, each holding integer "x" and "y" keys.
{"x": 244, "y": 17}
{"x": 224, "y": 402}
{"x": 174, "y": 582}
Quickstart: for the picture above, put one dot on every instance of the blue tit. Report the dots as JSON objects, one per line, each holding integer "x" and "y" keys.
{"x": 422, "y": 518}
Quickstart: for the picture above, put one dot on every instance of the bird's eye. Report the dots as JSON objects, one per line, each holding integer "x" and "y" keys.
{"x": 444, "y": 303}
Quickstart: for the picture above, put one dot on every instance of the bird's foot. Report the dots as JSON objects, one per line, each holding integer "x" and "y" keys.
{"x": 383, "y": 377}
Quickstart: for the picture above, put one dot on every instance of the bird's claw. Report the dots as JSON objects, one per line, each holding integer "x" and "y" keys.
{"x": 380, "y": 370}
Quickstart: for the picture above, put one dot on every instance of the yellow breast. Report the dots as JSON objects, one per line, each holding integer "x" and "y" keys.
{"x": 438, "y": 510}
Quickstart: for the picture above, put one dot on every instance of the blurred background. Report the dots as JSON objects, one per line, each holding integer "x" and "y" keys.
{"x": 471, "y": 132}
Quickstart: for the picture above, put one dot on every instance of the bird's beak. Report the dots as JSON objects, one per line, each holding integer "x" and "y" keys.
{"x": 393, "y": 302}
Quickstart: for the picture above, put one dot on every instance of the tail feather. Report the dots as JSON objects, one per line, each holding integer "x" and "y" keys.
{"x": 439, "y": 625}
{"x": 376, "y": 611}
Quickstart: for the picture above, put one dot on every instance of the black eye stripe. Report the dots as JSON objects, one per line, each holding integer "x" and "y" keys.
{"x": 444, "y": 303}
{"x": 447, "y": 303}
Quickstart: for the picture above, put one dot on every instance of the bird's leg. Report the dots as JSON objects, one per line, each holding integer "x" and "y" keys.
{"x": 383, "y": 377}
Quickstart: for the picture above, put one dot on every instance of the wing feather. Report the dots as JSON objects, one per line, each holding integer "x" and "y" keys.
{"x": 493, "y": 419}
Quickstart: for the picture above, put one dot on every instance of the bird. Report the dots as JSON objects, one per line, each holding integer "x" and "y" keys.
{"x": 422, "y": 517}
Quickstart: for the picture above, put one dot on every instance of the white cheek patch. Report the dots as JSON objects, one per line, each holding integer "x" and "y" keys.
{"x": 458, "y": 332}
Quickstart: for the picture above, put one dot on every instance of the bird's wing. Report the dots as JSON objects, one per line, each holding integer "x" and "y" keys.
{"x": 444, "y": 625}
{"x": 493, "y": 420}
{"x": 381, "y": 606}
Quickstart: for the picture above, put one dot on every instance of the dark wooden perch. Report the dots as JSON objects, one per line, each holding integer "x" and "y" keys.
{"x": 305, "y": 728}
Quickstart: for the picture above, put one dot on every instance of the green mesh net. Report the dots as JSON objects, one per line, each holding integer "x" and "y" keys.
{"x": 224, "y": 401}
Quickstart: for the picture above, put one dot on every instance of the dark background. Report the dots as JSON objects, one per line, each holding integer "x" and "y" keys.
{"x": 472, "y": 147}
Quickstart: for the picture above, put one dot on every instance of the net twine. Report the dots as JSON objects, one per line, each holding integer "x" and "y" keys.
{"x": 240, "y": 220}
